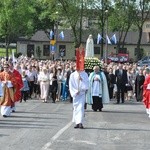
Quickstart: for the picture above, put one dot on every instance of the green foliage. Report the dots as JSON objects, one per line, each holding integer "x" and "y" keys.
{"x": 3, "y": 52}
{"x": 89, "y": 63}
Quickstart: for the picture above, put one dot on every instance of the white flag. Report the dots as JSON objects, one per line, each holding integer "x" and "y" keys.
{"x": 108, "y": 40}
{"x": 61, "y": 35}
{"x": 99, "y": 37}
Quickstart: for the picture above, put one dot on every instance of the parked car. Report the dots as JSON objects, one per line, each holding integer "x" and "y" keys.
{"x": 144, "y": 61}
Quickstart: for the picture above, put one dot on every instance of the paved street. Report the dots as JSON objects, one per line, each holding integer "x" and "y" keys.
{"x": 48, "y": 126}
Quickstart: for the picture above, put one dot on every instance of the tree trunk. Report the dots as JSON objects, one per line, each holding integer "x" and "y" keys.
{"x": 77, "y": 44}
{"x": 7, "y": 46}
{"x": 123, "y": 42}
{"x": 139, "y": 53}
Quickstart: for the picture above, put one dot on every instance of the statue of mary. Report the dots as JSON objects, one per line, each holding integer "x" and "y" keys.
{"x": 89, "y": 47}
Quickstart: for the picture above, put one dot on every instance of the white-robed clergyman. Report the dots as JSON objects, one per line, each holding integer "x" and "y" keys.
{"x": 78, "y": 86}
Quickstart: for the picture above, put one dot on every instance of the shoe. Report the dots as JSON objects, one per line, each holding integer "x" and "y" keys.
{"x": 122, "y": 102}
{"x": 77, "y": 126}
{"x": 100, "y": 109}
{"x": 53, "y": 101}
{"x": 81, "y": 126}
{"x": 5, "y": 116}
{"x": 13, "y": 111}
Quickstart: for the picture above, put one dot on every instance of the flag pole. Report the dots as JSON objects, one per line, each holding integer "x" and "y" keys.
{"x": 106, "y": 41}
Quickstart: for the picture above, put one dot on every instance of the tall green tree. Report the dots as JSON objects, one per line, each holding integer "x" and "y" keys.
{"x": 71, "y": 12}
{"x": 14, "y": 20}
{"x": 42, "y": 16}
{"x": 142, "y": 12}
{"x": 121, "y": 20}
{"x": 99, "y": 10}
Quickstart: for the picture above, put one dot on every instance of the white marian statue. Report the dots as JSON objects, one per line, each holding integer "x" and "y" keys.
{"x": 89, "y": 47}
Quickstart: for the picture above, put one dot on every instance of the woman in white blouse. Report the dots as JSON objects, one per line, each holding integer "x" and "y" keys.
{"x": 44, "y": 84}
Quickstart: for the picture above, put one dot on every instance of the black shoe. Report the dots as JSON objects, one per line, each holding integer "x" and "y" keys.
{"x": 53, "y": 101}
{"x": 123, "y": 102}
{"x": 100, "y": 109}
{"x": 13, "y": 110}
{"x": 5, "y": 116}
{"x": 81, "y": 126}
{"x": 77, "y": 126}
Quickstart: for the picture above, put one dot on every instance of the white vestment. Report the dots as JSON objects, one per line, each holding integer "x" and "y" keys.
{"x": 5, "y": 110}
{"x": 76, "y": 85}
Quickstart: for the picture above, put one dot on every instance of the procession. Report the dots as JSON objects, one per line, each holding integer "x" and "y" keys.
{"x": 60, "y": 81}
{"x": 74, "y": 75}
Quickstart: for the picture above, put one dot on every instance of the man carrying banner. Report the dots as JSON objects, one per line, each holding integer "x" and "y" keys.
{"x": 78, "y": 86}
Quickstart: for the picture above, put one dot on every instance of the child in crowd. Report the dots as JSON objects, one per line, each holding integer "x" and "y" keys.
{"x": 25, "y": 88}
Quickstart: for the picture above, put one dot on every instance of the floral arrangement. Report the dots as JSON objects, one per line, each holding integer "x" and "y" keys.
{"x": 90, "y": 62}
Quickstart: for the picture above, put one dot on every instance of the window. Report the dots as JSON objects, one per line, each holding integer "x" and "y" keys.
{"x": 30, "y": 50}
{"x": 123, "y": 50}
{"x": 62, "y": 50}
{"x": 147, "y": 25}
{"x": 97, "y": 50}
{"x": 46, "y": 50}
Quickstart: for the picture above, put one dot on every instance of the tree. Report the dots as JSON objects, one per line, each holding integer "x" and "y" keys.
{"x": 142, "y": 12}
{"x": 121, "y": 19}
{"x": 14, "y": 20}
{"x": 41, "y": 16}
{"x": 100, "y": 11}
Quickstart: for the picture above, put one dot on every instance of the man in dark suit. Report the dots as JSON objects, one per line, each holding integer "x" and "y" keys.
{"x": 121, "y": 81}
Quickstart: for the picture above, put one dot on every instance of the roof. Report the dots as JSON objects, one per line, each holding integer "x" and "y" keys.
{"x": 41, "y": 36}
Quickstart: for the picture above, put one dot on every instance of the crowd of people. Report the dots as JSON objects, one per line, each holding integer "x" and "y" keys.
{"x": 60, "y": 81}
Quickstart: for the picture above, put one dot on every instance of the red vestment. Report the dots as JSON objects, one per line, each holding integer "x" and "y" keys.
{"x": 19, "y": 85}
{"x": 146, "y": 92}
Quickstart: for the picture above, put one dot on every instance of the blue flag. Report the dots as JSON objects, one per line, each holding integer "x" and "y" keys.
{"x": 113, "y": 39}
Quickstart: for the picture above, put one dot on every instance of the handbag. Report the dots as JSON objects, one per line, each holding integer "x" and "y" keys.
{"x": 129, "y": 87}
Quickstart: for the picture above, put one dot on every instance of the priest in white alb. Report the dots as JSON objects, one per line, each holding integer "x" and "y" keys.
{"x": 78, "y": 86}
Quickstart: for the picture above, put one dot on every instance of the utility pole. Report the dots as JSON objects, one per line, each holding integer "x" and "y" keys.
{"x": 106, "y": 42}
{"x": 80, "y": 38}
{"x": 102, "y": 41}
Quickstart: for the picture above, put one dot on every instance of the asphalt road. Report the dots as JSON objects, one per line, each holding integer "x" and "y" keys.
{"x": 47, "y": 126}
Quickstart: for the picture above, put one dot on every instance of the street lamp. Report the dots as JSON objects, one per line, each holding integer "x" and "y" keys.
{"x": 106, "y": 41}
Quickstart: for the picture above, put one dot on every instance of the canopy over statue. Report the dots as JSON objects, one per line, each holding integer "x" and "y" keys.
{"x": 89, "y": 47}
